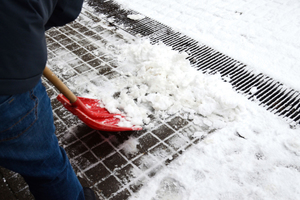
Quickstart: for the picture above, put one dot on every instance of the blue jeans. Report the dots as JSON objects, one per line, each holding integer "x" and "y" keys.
{"x": 29, "y": 146}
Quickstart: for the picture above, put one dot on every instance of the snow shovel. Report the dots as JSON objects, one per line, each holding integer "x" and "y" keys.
{"x": 86, "y": 109}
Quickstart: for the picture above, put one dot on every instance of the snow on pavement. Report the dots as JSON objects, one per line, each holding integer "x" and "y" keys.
{"x": 263, "y": 34}
{"x": 256, "y": 156}
{"x": 158, "y": 80}
{"x": 250, "y": 154}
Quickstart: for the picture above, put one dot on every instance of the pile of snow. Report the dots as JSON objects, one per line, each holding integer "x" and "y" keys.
{"x": 260, "y": 33}
{"x": 256, "y": 158}
{"x": 158, "y": 80}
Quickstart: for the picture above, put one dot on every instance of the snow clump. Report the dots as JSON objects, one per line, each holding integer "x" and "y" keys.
{"x": 158, "y": 80}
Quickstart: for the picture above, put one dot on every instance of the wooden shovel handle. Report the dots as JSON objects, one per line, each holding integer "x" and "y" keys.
{"x": 59, "y": 85}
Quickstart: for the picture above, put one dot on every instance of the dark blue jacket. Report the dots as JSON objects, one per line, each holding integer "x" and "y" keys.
{"x": 23, "y": 50}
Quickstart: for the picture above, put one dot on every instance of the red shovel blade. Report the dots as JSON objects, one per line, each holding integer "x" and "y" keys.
{"x": 89, "y": 111}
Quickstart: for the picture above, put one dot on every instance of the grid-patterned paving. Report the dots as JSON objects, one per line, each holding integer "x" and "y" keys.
{"x": 83, "y": 53}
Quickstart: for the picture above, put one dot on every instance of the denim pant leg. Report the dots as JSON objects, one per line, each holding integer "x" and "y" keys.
{"x": 29, "y": 146}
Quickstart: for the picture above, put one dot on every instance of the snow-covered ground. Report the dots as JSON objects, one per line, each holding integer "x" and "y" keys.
{"x": 255, "y": 154}
{"x": 263, "y": 34}
{"x": 255, "y": 157}
{"x": 248, "y": 153}
{"x": 251, "y": 154}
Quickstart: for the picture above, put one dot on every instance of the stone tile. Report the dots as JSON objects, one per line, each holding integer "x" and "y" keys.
{"x": 50, "y": 55}
{"x": 138, "y": 134}
{"x": 76, "y": 25}
{"x": 97, "y": 173}
{"x": 103, "y": 69}
{"x": 126, "y": 174}
{"x": 60, "y": 128}
{"x": 177, "y": 123}
{"x": 99, "y": 28}
{"x": 24, "y": 195}
{"x": 66, "y": 138}
{"x": 87, "y": 57}
{"x": 75, "y": 62}
{"x": 82, "y": 29}
{"x": 81, "y": 130}
{"x": 70, "y": 73}
{"x": 53, "y": 32}
{"x": 161, "y": 152}
{"x": 75, "y": 149}
{"x": 89, "y": 33}
{"x": 146, "y": 142}
{"x": 84, "y": 42}
{"x": 84, "y": 181}
{"x": 65, "y": 29}
{"x": 92, "y": 140}
{"x": 85, "y": 160}
{"x": 70, "y": 120}
{"x": 52, "y": 93}
{"x": 73, "y": 46}
{"x": 16, "y": 183}
{"x": 176, "y": 142}
{"x": 91, "y": 47}
{"x": 107, "y": 58}
{"x": 145, "y": 162}
{"x": 80, "y": 52}
{"x": 155, "y": 122}
{"x": 49, "y": 40}
{"x": 119, "y": 138}
{"x": 188, "y": 132}
{"x": 114, "y": 161}
{"x": 163, "y": 132}
{"x": 82, "y": 68}
{"x": 76, "y": 36}
{"x": 129, "y": 156}
{"x": 66, "y": 41}
{"x": 97, "y": 38}
{"x": 96, "y": 63}
{"x": 54, "y": 46}
{"x": 103, "y": 150}
{"x": 5, "y": 191}
{"x": 107, "y": 134}
{"x": 136, "y": 185}
{"x": 109, "y": 186}
{"x": 60, "y": 37}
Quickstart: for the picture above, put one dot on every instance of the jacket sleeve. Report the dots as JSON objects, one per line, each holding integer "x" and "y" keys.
{"x": 23, "y": 49}
{"x": 64, "y": 12}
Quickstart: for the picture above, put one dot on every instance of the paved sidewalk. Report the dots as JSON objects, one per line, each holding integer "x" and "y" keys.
{"x": 82, "y": 53}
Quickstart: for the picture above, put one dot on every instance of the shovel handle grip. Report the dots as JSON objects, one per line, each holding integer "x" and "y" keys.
{"x": 59, "y": 85}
